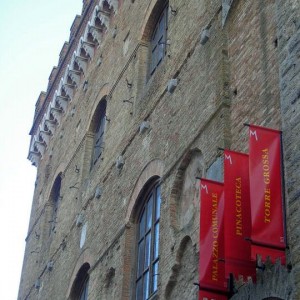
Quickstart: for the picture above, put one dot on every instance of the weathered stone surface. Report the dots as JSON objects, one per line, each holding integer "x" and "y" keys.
{"x": 246, "y": 72}
{"x": 288, "y": 16}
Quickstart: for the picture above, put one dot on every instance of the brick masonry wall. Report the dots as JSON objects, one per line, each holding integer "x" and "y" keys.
{"x": 288, "y": 16}
{"x": 230, "y": 80}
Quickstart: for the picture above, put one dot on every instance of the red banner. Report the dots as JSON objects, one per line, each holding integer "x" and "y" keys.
{"x": 211, "y": 261}
{"x": 206, "y": 295}
{"x": 266, "y": 190}
{"x": 238, "y": 217}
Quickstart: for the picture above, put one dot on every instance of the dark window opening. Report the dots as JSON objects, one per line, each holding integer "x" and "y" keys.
{"x": 159, "y": 40}
{"x": 81, "y": 284}
{"x": 99, "y": 129}
{"x": 84, "y": 290}
{"x": 55, "y": 197}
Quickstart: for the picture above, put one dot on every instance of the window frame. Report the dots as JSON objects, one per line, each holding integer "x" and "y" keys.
{"x": 99, "y": 125}
{"x": 154, "y": 193}
{"x": 159, "y": 38}
{"x": 80, "y": 286}
{"x": 84, "y": 290}
{"x": 55, "y": 197}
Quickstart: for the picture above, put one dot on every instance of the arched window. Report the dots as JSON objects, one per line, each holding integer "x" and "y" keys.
{"x": 148, "y": 244}
{"x": 98, "y": 127}
{"x": 81, "y": 284}
{"x": 158, "y": 41}
{"x": 55, "y": 197}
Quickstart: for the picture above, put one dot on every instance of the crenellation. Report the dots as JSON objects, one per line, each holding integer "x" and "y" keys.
{"x": 63, "y": 52}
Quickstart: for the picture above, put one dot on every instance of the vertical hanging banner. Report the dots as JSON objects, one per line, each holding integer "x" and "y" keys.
{"x": 268, "y": 230}
{"x": 211, "y": 261}
{"x": 238, "y": 216}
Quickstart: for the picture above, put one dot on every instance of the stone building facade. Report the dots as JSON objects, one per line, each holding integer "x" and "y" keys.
{"x": 144, "y": 95}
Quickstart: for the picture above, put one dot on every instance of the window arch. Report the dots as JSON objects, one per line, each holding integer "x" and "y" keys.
{"x": 81, "y": 284}
{"x": 98, "y": 128}
{"x": 158, "y": 41}
{"x": 55, "y": 197}
{"x": 147, "y": 245}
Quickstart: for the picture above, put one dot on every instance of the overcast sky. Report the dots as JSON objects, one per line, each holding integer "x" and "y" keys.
{"x": 32, "y": 33}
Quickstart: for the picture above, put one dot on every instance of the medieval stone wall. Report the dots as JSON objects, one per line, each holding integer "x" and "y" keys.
{"x": 288, "y": 16}
{"x": 230, "y": 80}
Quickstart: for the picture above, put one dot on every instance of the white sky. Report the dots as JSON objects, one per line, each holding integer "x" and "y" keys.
{"x": 32, "y": 33}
